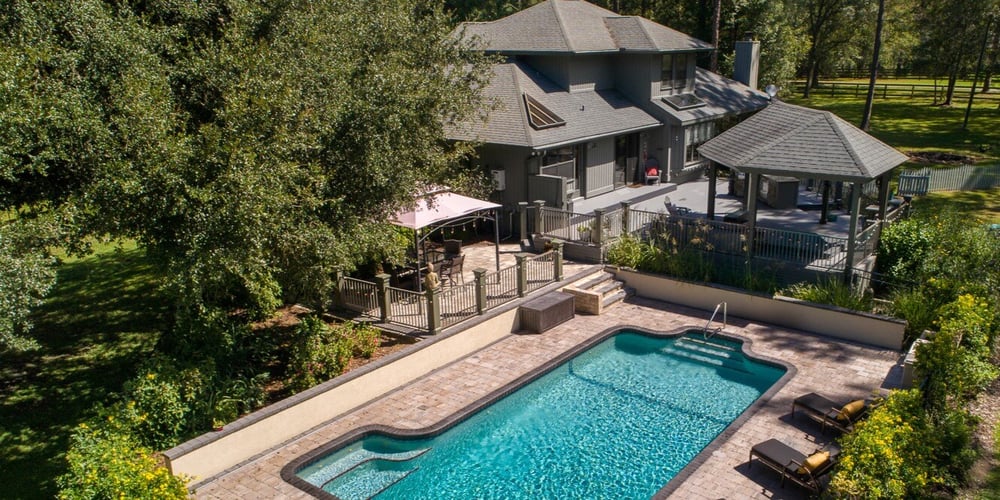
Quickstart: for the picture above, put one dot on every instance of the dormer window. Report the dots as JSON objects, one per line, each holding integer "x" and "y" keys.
{"x": 674, "y": 72}
{"x": 539, "y": 117}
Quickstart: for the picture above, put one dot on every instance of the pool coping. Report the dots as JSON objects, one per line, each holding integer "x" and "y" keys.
{"x": 288, "y": 472}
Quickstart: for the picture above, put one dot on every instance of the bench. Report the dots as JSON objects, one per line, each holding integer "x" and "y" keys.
{"x": 545, "y": 312}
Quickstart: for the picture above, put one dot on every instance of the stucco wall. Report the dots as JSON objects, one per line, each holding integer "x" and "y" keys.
{"x": 213, "y": 453}
{"x": 791, "y": 313}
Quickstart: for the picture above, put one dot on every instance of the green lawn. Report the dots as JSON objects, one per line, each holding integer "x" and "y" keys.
{"x": 103, "y": 316}
{"x": 915, "y": 125}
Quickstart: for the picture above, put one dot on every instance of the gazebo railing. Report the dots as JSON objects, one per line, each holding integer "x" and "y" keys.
{"x": 445, "y": 306}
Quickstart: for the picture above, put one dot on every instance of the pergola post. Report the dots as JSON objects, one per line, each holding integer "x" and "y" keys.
{"x": 713, "y": 176}
{"x": 852, "y": 236}
{"x": 753, "y": 184}
{"x": 496, "y": 235}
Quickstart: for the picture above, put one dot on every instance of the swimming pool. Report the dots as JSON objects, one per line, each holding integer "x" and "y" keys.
{"x": 619, "y": 419}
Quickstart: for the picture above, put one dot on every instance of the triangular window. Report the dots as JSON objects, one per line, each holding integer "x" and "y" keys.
{"x": 539, "y": 116}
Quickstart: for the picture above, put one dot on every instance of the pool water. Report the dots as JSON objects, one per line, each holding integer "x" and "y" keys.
{"x": 617, "y": 421}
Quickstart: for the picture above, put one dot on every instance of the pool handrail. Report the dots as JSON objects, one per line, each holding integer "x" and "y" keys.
{"x": 707, "y": 332}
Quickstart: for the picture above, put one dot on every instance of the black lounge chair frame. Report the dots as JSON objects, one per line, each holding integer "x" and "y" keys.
{"x": 827, "y": 412}
{"x": 786, "y": 461}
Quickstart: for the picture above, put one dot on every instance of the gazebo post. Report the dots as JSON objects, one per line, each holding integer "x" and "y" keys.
{"x": 883, "y": 194}
{"x": 852, "y": 237}
{"x": 753, "y": 184}
{"x": 713, "y": 175}
{"x": 824, "y": 213}
{"x": 496, "y": 235}
{"x": 416, "y": 249}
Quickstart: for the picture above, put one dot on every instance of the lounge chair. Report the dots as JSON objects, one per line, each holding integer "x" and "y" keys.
{"x": 792, "y": 464}
{"x": 829, "y": 413}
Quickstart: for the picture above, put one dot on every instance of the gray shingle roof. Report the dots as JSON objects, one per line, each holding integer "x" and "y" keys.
{"x": 784, "y": 139}
{"x": 576, "y": 26}
{"x": 588, "y": 114}
{"x": 722, "y": 97}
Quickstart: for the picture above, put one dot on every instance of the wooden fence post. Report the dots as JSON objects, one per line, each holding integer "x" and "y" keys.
{"x": 557, "y": 247}
{"x": 522, "y": 273}
{"x": 480, "y": 275}
{"x": 382, "y": 289}
{"x": 597, "y": 235}
{"x": 626, "y": 207}
{"x": 433, "y": 310}
{"x": 522, "y": 208}
{"x": 539, "y": 220}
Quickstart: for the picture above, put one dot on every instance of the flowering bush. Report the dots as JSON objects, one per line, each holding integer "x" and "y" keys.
{"x": 366, "y": 338}
{"x": 107, "y": 463}
{"x": 889, "y": 455}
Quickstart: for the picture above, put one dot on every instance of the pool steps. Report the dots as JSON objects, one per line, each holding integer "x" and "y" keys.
{"x": 348, "y": 470}
{"x": 707, "y": 352}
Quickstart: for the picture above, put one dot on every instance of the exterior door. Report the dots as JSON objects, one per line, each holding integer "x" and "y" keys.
{"x": 626, "y": 159}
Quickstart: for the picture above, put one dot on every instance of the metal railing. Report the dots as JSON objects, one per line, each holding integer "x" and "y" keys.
{"x": 567, "y": 226}
{"x": 708, "y": 332}
{"x": 445, "y": 306}
{"x": 458, "y": 303}
{"x": 408, "y": 308}
{"x": 361, "y": 296}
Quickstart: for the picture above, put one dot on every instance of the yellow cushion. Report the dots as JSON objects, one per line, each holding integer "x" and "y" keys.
{"x": 815, "y": 461}
{"x": 850, "y": 410}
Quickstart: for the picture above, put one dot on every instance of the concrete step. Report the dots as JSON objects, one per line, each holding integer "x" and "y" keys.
{"x": 593, "y": 280}
{"x": 612, "y": 299}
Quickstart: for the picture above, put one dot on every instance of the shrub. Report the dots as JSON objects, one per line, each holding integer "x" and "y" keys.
{"x": 105, "y": 462}
{"x": 366, "y": 338}
{"x": 916, "y": 309}
{"x": 830, "y": 291}
{"x": 319, "y": 353}
{"x": 627, "y": 251}
{"x": 889, "y": 455}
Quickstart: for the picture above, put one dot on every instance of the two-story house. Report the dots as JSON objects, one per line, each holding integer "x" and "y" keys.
{"x": 589, "y": 99}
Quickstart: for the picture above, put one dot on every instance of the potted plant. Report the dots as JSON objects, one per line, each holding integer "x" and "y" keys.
{"x": 584, "y": 230}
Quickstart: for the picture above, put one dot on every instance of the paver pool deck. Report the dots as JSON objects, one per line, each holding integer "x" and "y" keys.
{"x": 838, "y": 369}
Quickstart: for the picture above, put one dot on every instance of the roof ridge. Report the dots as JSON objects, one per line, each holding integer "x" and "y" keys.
{"x": 762, "y": 148}
{"x": 562, "y": 26}
{"x": 645, "y": 32}
{"x": 521, "y": 105}
{"x": 837, "y": 124}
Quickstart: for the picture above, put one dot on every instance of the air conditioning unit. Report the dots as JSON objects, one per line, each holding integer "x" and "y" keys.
{"x": 499, "y": 179}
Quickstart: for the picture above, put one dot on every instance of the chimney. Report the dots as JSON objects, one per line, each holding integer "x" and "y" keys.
{"x": 747, "y": 61}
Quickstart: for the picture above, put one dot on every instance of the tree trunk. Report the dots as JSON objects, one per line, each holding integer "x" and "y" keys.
{"x": 952, "y": 79}
{"x": 716, "y": 18}
{"x": 866, "y": 116}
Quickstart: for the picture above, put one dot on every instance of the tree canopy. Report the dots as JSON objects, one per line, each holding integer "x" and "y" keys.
{"x": 250, "y": 146}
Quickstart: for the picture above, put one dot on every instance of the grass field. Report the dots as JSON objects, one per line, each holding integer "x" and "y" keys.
{"x": 914, "y": 125}
{"x": 103, "y": 316}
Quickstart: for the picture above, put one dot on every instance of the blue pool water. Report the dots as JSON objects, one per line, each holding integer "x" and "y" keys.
{"x": 617, "y": 421}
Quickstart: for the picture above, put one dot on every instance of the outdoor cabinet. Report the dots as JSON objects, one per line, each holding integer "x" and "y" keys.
{"x": 779, "y": 192}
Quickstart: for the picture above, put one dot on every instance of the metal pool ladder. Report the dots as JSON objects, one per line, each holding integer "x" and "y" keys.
{"x": 707, "y": 330}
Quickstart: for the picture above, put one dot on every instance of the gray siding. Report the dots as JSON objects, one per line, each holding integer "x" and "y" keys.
{"x": 555, "y": 68}
{"x": 512, "y": 161}
{"x": 591, "y": 73}
{"x": 634, "y": 75}
{"x": 600, "y": 167}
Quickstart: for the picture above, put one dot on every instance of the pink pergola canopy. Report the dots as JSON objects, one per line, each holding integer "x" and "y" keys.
{"x": 444, "y": 206}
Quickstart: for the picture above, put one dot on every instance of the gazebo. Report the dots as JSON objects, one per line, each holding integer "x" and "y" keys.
{"x": 793, "y": 141}
{"x": 440, "y": 209}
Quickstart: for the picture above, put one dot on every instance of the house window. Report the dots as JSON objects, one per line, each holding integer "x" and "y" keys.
{"x": 695, "y": 136}
{"x": 674, "y": 72}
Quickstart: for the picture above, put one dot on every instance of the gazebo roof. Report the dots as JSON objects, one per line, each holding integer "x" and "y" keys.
{"x": 788, "y": 140}
{"x": 438, "y": 207}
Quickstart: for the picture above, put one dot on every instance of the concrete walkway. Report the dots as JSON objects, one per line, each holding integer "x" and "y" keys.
{"x": 840, "y": 370}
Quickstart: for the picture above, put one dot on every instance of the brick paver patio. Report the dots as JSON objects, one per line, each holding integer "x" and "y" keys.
{"x": 841, "y": 370}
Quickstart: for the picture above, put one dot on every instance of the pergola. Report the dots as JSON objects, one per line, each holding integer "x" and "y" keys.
{"x": 793, "y": 141}
{"x": 440, "y": 209}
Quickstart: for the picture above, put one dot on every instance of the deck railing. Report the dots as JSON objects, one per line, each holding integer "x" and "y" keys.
{"x": 812, "y": 250}
{"x": 432, "y": 310}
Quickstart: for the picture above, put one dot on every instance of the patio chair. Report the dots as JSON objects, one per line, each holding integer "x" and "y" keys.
{"x": 652, "y": 168}
{"x": 806, "y": 471}
{"x": 674, "y": 209}
{"x": 450, "y": 269}
{"x": 452, "y": 248}
{"x": 840, "y": 416}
